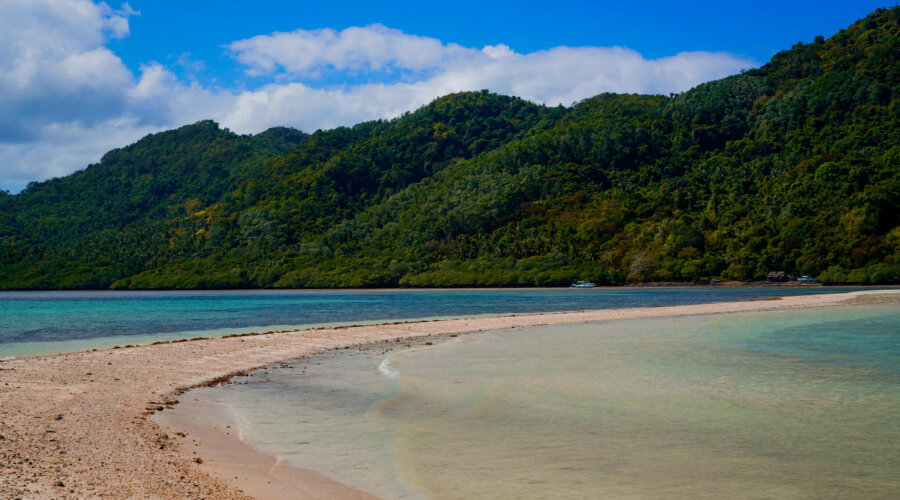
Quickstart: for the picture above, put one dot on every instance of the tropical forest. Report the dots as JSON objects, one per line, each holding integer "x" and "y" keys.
{"x": 793, "y": 166}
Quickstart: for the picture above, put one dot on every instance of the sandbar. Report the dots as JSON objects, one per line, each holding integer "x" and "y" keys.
{"x": 79, "y": 425}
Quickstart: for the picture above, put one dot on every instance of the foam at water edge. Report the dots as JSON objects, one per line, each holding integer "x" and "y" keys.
{"x": 240, "y": 422}
{"x": 385, "y": 369}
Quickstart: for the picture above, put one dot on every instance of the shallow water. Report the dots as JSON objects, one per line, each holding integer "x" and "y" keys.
{"x": 43, "y": 322}
{"x": 792, "y": 404}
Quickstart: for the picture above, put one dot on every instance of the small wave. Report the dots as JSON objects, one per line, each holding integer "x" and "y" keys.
{"x": 7, "y": 358}
{"x": 385, "y": 368}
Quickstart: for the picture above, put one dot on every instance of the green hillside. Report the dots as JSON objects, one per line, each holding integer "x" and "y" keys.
{"x": 793, "y": 166}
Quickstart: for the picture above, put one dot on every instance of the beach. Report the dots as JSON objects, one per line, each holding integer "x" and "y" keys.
{"x": 97, "y": 423}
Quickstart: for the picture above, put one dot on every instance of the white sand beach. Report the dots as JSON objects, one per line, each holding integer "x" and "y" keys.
{"x": 82, "y": 425}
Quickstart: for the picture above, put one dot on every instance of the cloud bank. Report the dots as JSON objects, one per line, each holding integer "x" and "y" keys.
{"x": 65, "y": 98}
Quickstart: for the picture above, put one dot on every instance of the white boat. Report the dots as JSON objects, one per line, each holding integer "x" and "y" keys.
{"x": 583, "y": 284}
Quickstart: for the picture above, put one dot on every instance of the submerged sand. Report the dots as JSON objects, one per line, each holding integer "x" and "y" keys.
{"x": 78, "y": 425}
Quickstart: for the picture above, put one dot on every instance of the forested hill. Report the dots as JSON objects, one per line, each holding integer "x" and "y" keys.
{"x": 794, "y": 166}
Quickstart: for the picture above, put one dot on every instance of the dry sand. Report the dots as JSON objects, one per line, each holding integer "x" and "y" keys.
{"x": 78, "y": 425}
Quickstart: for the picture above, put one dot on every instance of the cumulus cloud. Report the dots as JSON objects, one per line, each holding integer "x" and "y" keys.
{"x": 560, "y": 75}
{"x": 370, "y": 48}
{"x": 65, "y": 98}
{"x": 54, "y": 67}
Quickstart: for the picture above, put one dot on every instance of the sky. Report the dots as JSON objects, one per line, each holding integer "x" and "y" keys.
{"x": 79, "y": 77}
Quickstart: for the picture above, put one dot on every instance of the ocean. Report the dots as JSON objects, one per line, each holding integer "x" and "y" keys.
{"x": 788, "y": 404}
{"x": 47, "y": 322}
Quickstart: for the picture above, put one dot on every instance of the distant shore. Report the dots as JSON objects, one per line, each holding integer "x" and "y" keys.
{"x": 649, "y": 284}
{"x": 79, "y": 425}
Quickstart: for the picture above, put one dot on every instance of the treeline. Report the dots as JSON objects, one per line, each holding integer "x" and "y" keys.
{"x": 793, "y": 166}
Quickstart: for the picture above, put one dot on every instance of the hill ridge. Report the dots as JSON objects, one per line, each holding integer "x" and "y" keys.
{"x": 791, "y": 166}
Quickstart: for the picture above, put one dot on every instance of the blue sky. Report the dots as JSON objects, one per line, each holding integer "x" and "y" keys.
{"x": 167, "y": 29}
{"x": 80, "y": 77}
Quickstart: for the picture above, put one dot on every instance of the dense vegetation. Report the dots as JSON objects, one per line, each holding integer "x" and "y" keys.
{"x": 793, "y": 166}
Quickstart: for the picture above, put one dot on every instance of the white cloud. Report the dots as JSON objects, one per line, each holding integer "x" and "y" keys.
{"x": 63, "y": 148}
{"x": 370, "y": 48}
{"x": 65, "y": 98}
{"x": 560, "y": 75}
{"x": 54, "y": 67}
{"x": 557, "y": 75}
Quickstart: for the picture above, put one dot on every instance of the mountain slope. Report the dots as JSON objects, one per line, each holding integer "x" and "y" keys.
{"x": 794, "y": 166}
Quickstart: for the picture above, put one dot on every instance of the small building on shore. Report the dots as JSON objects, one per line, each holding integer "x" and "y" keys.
{"x": 777, "y": 276}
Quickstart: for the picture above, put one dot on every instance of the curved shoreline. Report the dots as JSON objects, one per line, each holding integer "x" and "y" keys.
{"x": 76, "y": 425}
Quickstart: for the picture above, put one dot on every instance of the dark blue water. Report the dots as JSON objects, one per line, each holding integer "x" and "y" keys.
{"x": 53, "y": 317}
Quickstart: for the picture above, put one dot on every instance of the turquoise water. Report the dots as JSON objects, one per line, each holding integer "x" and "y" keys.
{"x": 43, "y": 322}
{"x": 792, "y": 404}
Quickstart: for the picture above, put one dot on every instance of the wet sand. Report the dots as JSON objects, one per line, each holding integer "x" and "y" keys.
{"x": 209, "y": 433}
{"x": 79, "y": 425}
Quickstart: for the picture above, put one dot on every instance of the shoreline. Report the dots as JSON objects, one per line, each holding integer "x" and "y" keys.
{"x": 78, "y": 425}
{"x": 24, "y": 348}
{"x": 649, "y": 284}
{"x": 225, "y": 456}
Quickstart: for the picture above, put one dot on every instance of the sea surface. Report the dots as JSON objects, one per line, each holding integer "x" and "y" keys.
{"x": 788, "y": 404}
{"x": 46, "y": 322}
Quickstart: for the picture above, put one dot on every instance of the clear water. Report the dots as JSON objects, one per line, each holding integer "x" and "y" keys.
{"x": 793, "y": 404}
{"x": 43, "y": 322}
